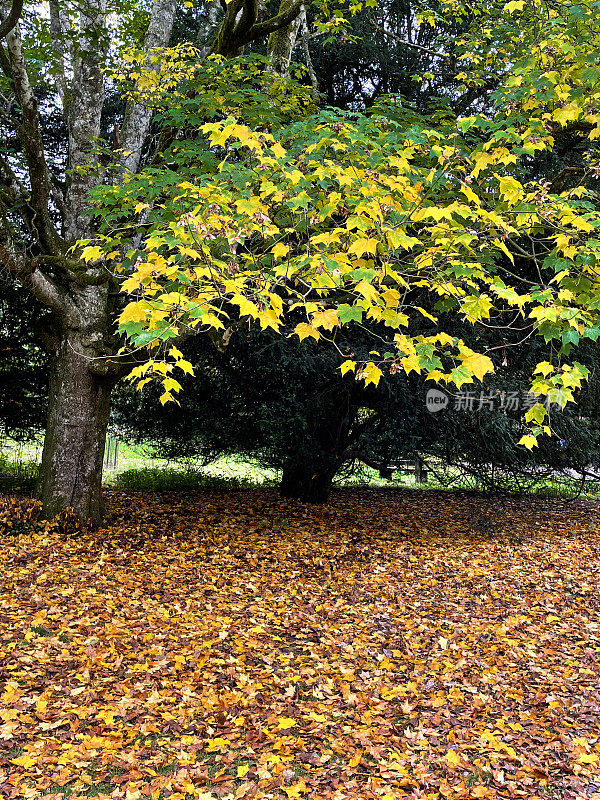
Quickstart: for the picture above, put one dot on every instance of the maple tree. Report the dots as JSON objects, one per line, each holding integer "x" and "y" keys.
{"x": 390, "y": 645}
{"x": 453, "y": 191}
{"x": 345, "y": 215}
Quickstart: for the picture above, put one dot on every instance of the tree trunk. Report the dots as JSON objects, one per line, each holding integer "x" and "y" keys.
{"x": 282, "y": 42}
{"x": 78, "y": 412}
{"x": 306, "y": 481}
{"x": 318, "y": 451}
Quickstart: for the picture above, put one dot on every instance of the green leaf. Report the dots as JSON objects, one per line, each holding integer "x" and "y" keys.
{"x": 348, "y": 313}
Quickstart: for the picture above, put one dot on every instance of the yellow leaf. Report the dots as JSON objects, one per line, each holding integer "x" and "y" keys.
{"x": 410, "y": 363}
{"x": 218, "y": 744}
{"x": 355, "y": 760}
{"x": 566, "y": 113}
{"x": 400, "y": 239}
{"x": 453, "y": 759}
{"x": 278, "y": 150}
{"x": 545, "y": 368}
{"x": 510, "y": 188}
{"x": 24, "y": 761}
{"x": 367, "y": 290}
{"x": 242, "y": 771}
{"x": 134, "y": 312}
{"x": 296, "y": 789}
{"x": 185, "y": 366}
{"x": 171, "y": 385}
{"x": 327, "y": 319}
{"x": 370, "y": 374}
{"x": 478, "y": 365}
{"x": 504, "y": 249}
{"x": 587, "y": 758}
{"x": 92, "y": 253}
{"x": 280, "y": 250}
{"x": 528, "y": 440}
{"x": 303, "y": 330}
{"x": 348, "y": 366}
{"x": 362, "y": 246}
{"x": 317, "y": 717}
{"x": 247, "y": 307}
{"x": 285, "y": 723}
{"x": 269, "y": 319}
{"x": 470, "y": 194}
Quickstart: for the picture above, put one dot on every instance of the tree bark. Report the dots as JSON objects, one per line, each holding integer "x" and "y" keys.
{"x": 78, "y": 414}
{"x": 282, "y": 42}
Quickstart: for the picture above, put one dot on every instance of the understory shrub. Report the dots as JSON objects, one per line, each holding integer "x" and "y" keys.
{"x": 167, "y": 479}
{"x": 17, "y": 475}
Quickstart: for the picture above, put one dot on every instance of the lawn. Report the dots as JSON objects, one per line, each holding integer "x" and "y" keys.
{"x": 233, "y": 645}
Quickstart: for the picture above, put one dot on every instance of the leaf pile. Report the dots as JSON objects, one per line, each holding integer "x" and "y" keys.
{"x": 20, "y": 515}
{"x": 390, "y": 645}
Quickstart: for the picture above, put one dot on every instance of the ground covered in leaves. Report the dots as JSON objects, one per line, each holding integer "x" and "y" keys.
{"x": 389, "y": 645}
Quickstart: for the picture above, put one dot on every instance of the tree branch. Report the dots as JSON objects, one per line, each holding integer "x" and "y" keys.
{"x": 27, "y": 273}
{"x": 33, "y": 147}
{"x": 269, "y": 26}
{"x": 385, "y": 471}
{"x": 247, "y": 19}
{"x": 13, "y": 18}
{"x": 232, "y": 37}
{"x": 136, "y": 122}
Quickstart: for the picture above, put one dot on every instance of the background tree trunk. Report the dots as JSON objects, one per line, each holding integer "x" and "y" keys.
{"x": 308, "y": 481}
{"x": 312, "y": 464}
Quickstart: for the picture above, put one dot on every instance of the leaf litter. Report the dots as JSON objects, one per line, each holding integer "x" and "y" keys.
{"x": 388, "y": 645}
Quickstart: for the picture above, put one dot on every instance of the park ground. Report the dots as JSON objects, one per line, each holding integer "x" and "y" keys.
{"x": 232, "y": 645}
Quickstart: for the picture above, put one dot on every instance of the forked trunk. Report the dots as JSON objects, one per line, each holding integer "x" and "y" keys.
{"x": 78, "y": 413}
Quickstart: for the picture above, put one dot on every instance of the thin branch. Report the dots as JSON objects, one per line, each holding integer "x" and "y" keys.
{"x": 415, "y": 46}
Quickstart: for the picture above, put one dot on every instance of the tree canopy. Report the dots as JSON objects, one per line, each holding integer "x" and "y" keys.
{"x": 345, "y": 215}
